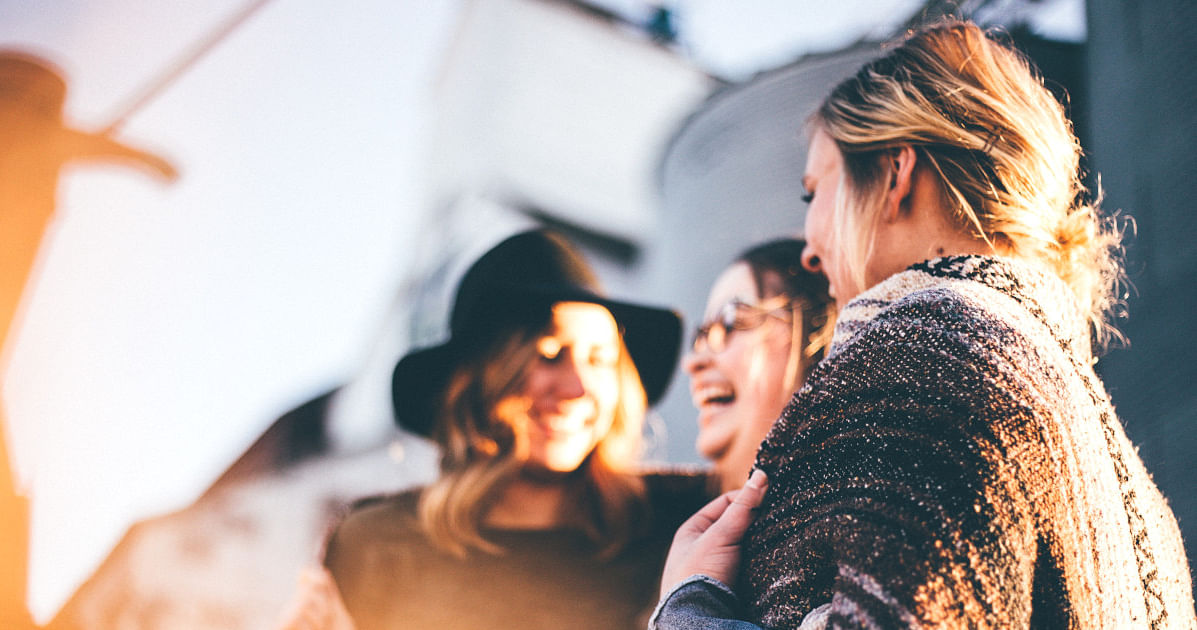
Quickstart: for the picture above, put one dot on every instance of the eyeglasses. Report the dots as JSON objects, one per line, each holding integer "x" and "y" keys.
{"x": 738, "y": 315}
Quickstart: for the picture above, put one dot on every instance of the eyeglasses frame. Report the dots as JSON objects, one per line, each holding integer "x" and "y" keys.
{"x": 727, "y": 320}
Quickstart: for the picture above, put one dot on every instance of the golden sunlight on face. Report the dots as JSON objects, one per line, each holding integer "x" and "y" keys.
{"x": 822, "y": 180}
{"x": 571, "y": 390}
{"x": 740, "y": 390}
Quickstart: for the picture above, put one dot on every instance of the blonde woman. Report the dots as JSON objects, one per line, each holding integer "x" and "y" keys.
{"x": 767, "y": 323}
{"x": 542, "y": 517}
{"x": 955, "y": 461}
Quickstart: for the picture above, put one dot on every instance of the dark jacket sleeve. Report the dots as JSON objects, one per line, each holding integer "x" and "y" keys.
{"x": 896, "y": 484}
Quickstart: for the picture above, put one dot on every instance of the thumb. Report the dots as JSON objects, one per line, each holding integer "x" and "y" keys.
{"x": 739, "y": 514}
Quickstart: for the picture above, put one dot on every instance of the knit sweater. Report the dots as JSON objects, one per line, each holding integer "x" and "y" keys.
{"x": 956, "y": 462}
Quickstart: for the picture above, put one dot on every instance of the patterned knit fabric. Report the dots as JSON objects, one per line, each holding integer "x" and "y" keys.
{"x": 956, "y": 462}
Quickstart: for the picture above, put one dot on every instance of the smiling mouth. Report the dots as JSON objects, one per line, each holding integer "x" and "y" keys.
{"x": 713, "y": 395}
{"x": 562, "y": 424}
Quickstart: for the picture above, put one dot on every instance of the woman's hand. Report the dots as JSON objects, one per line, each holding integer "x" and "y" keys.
{"x": 317, "y": 604}
{"x": 709, "y": 542}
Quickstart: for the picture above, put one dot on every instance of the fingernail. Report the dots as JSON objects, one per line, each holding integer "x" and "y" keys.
{"x": 757, "y": 479}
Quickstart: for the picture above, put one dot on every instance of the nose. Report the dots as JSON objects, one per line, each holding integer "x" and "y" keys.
{"x": 696, "y": 359}
{"x": 810, "y": 261}
{"x": 568, "y": 382}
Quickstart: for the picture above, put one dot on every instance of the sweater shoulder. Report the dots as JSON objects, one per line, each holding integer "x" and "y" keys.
{"x": 391, "y": 517}
{"x": 935, "y": 325}
{"x": 972, "y": 298}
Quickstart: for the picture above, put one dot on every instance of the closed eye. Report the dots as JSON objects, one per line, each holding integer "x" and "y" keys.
{"x": 604, "y": 357}
{"x": 549, "y": 349}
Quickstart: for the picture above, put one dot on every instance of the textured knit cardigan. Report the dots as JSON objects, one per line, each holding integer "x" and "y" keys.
{"x": 956, "y": 462}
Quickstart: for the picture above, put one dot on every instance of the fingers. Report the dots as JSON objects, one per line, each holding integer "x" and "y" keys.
{"x": 740, "y": 503}
{"x": 708, "y": 543}
{"x": 738, "y": 515}
{"x": 753, "y": 493}
{"x": 701, "y": 520}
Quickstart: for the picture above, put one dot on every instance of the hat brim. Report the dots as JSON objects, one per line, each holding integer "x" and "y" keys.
{"x": 652, "y": 336}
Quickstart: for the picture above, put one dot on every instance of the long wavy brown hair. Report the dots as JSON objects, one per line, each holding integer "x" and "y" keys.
{"x": 481, "y": 454}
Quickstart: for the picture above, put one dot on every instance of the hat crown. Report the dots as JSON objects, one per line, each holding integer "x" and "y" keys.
{"x": 536, "y": 259}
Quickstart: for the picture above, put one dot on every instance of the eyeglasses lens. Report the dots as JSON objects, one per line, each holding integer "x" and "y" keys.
{"x": 716, "y": 331}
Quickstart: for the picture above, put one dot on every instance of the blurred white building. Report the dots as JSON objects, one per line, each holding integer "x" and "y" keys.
{"x": 661, "y": 160}
{"x": 544, "y": 112}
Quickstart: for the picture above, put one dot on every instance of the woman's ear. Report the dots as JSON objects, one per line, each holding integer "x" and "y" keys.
{"x": 901, "y": 161}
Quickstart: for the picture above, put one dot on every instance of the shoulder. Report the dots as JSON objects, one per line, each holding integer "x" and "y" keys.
{"x": 921, "y": 325}
{"x": 937, "y": 358}
{"x": 917, "y": 308}
{"x": 968, "y": 302}
{"x": 380, "y": 517}
{"x": 675, "y": 493}
{"x": 934, "y": 353}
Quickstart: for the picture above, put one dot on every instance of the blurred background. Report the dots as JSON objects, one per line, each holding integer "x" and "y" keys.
{"x": 199, "y": 376}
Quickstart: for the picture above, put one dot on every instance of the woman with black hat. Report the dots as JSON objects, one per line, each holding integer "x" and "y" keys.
{"x": 542, "y": 516}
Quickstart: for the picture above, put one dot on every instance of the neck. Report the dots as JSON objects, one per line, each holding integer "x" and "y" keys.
{"x": 955, "y": 244}
{"x": 920, "y": 232}
{"x": 531, "y": 503}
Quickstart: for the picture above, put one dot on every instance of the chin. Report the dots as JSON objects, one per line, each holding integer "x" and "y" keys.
{"x": 707, "y": 452}
{"x": 714, "y": 452}
{"x": 560, "y": 463}
{"x": 716, "y": 438}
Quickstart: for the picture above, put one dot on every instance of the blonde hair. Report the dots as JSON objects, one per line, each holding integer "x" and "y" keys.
{"x": 482, "y": 453}
{"x": 999, "y": 146}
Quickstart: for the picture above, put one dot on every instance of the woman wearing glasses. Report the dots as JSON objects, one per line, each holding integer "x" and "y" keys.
{"x": 767, "y": 323}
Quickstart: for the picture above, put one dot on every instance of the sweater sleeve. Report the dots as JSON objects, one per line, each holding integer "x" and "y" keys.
{"x": 704, "y": 603}
{"x": 896, "y": 487}
{"x": 699, "y": 603}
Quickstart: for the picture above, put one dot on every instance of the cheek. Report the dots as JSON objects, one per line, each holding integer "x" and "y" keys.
{"x": 735, "y": 362}
{"x": 604, "y": 389}
{"x": 536, "y": 381}
{"x": 809, "y": 224}
{"x": 764, "y": 373}
{"x": 815, "y": 224}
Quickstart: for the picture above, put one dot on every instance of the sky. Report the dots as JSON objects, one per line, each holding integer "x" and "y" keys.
{"x": 171, "y": 323}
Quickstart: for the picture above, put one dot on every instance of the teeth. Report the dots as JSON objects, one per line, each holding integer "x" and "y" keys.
{"x": 566, "y": 423}
{"x": 563, "y": 421}
{"x": 713, "y": 394}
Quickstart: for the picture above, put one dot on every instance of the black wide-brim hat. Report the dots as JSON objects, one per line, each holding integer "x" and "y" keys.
{"x": 513, "y": 287}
